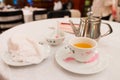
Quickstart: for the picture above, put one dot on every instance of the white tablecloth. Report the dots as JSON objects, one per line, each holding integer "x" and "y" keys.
{"x": 49, "y": 69}
{"x": 28, "y": 13}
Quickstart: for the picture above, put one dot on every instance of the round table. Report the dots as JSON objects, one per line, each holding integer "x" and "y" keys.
{"x": 28, "y": 13}
{"x": 49, "y": 69}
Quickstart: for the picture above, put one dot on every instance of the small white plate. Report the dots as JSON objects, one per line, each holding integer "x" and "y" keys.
{"x": 81, "y": 68}
{"x": 45, "y": 49}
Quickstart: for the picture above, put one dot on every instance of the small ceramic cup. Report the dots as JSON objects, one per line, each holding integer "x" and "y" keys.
{"x": 57, "y": 36}
{"x": 82, "y": 48}
{"x": 55, "y": 41}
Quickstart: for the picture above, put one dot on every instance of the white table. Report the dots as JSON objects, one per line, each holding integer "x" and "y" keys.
{"x": 49, "y": 69}
{"x": 28, "y": 13}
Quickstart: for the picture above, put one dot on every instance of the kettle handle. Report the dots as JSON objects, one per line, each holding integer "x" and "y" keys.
{"x": 109, "y": 31}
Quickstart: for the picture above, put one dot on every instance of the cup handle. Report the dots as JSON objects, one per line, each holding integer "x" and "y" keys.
{"x": 109, "y": 31}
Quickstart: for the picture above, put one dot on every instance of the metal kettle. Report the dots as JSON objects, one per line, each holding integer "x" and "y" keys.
{"x": 90, "y": 27}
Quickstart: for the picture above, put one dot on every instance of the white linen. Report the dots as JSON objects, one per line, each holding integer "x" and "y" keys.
{"x": 28, "y": 13}
{"x": 75, "y": 13}
{"x": 49, "y": 69}
{"x": 23, "y": 49}
{"x": 5, "y": 72}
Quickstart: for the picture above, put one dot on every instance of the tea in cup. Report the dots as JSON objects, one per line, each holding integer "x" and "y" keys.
{"x": 82, "y": 48}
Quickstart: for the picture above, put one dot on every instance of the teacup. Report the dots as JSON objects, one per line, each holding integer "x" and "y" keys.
{"x": 55, "y": 41}
{"x": 82, "y": 48}
{"x": 56, "y": 37}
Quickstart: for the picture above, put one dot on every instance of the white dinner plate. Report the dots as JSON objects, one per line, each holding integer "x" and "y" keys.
{"x": 81, "y": 68}
{"x": 45, "y": 49}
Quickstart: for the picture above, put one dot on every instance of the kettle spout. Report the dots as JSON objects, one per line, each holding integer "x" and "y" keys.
{"x": 75, "y": 30}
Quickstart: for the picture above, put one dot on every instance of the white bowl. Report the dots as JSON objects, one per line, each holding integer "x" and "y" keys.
{"x": 55, "y": 41}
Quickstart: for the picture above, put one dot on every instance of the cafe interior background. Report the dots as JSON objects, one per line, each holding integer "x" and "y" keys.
{"x": 77, "y": 8}
{"x": 81, "y": 5}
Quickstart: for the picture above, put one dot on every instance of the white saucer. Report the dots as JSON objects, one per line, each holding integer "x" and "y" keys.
{"x": 6, "y": 57}
{"x": 81, "y": 68}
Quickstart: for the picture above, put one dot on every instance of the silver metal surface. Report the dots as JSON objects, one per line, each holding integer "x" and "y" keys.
{"x": 90, "y": 27}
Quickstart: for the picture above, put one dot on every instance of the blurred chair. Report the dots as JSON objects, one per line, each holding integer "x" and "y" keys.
{"x": 39, "y": 14}
{"x": 58, "y": 14}
{"x": 75, "y": 13}
{"x": 9, "y": 19}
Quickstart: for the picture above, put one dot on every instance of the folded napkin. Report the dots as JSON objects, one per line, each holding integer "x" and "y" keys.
{"x": 2, "y": 77}
{"x": 5, "y": 72}
{"x": 67, "y": 27}
{"x": 23, "y": 49}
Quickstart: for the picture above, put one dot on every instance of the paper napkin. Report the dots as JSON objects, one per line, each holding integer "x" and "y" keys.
{"x": 23, "y": 49}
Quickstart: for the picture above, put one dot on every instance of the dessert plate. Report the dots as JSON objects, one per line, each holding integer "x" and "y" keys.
{"x": 44, "y": 53}
{"x": 81, "y": 68}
